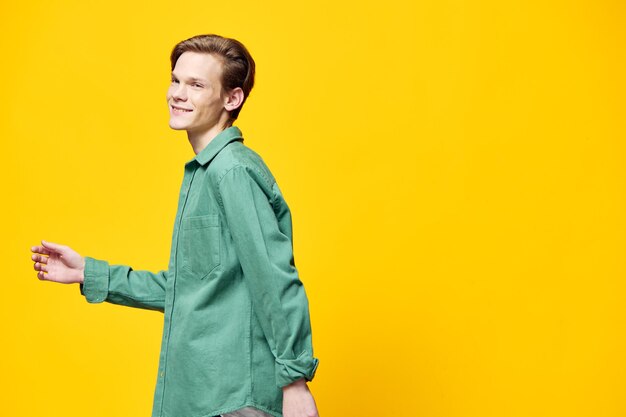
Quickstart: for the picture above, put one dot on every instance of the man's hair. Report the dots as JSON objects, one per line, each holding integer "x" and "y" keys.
{"x": 237, "y": 63}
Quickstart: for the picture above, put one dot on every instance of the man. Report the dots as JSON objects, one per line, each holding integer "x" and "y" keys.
{"x": 236, "y": 336}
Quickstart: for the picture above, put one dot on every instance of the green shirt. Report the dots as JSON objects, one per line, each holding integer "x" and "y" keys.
{"x": 236, "y": 319}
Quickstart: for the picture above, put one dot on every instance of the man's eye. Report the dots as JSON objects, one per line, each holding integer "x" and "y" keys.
{"x": 174, "y": 81}
{"x": 197, "y": 85}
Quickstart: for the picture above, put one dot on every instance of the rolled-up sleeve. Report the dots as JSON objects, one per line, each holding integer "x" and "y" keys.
{"x": 266, "y": 256}
{"x": 120, "y": 284}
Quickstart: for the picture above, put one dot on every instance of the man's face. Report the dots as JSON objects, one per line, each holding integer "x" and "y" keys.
{"x": 195, "y": 96}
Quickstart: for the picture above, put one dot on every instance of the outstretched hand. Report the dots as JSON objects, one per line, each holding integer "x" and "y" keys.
{"x": 58, "y": 263}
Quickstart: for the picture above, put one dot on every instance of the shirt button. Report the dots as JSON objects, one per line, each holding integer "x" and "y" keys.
{"x": 162, "y": 374}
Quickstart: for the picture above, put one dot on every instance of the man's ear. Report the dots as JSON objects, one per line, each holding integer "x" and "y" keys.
{"x": 233, "y": 99}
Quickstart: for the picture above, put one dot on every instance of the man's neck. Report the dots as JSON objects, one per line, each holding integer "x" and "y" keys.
{"x": 199, "y": 140}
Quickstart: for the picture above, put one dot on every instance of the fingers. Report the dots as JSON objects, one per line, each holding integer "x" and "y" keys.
{"x": 39, "y": 258}
{"x": 42, "y": 271}
{"x": 41, "y": 261}
{"x": 53, "y": 246}
{"x": 40, "y": 267}
{"x": 40, "y": 249}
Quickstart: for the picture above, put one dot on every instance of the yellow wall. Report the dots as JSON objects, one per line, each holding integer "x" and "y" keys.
{"x": 456, "y": 172}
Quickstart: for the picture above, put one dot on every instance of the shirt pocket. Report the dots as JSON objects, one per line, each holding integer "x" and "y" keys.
{"x": 201, "y": 244}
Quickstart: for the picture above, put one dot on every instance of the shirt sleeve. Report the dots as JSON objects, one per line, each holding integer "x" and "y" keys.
{"x": 266, "y": 256}
{"x": 120, "y": 284}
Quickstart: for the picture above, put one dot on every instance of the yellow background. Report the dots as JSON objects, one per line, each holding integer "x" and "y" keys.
{"x": 456, "y": 172}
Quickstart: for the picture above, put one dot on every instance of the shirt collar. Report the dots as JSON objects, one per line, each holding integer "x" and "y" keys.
{"x": 216, "y": 144}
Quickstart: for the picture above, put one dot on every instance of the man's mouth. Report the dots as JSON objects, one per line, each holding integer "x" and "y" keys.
{"x": 180, "y": 110}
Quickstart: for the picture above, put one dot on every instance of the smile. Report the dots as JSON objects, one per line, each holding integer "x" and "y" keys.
{"x": 180, "y": 110}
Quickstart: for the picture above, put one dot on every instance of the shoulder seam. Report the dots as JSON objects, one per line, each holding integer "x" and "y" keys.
{"x": 268, "y": 182}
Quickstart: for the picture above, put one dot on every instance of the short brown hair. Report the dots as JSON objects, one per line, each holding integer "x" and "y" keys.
{"x": 237, "y": 63}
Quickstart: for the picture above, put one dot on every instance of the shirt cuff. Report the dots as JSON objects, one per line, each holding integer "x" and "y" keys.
{"x": 291, "y": 370}
{"x": 95, "y": 288}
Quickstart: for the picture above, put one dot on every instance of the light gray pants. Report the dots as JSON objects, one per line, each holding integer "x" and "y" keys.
{"x": 247, "y": 412}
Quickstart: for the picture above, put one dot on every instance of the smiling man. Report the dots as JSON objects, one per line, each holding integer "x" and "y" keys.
{"x": 236, "y": 335}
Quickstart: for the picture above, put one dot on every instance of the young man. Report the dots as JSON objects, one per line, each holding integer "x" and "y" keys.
{"x": 236, "y": 336}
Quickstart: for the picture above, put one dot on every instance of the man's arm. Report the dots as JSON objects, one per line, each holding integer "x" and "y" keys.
{"x": 278, "y": 296}
{"x": 266, "y": 256}
{"x": 99, "y": 281}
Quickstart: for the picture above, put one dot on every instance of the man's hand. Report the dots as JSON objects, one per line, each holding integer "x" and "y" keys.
{"x": 298, "y": 401}
{"x": 58, "y": 263}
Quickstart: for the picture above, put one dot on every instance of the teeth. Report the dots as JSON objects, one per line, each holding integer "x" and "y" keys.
{"x": 181, "y": 110}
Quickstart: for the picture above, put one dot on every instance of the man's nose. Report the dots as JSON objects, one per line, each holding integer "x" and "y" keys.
{"x": 179, "y": 93}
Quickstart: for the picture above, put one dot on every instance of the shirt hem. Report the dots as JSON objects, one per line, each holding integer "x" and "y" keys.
{"x": 230, "y": 409}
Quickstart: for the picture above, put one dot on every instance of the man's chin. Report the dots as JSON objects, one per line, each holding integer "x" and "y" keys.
{"x": 175, "y": 126}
